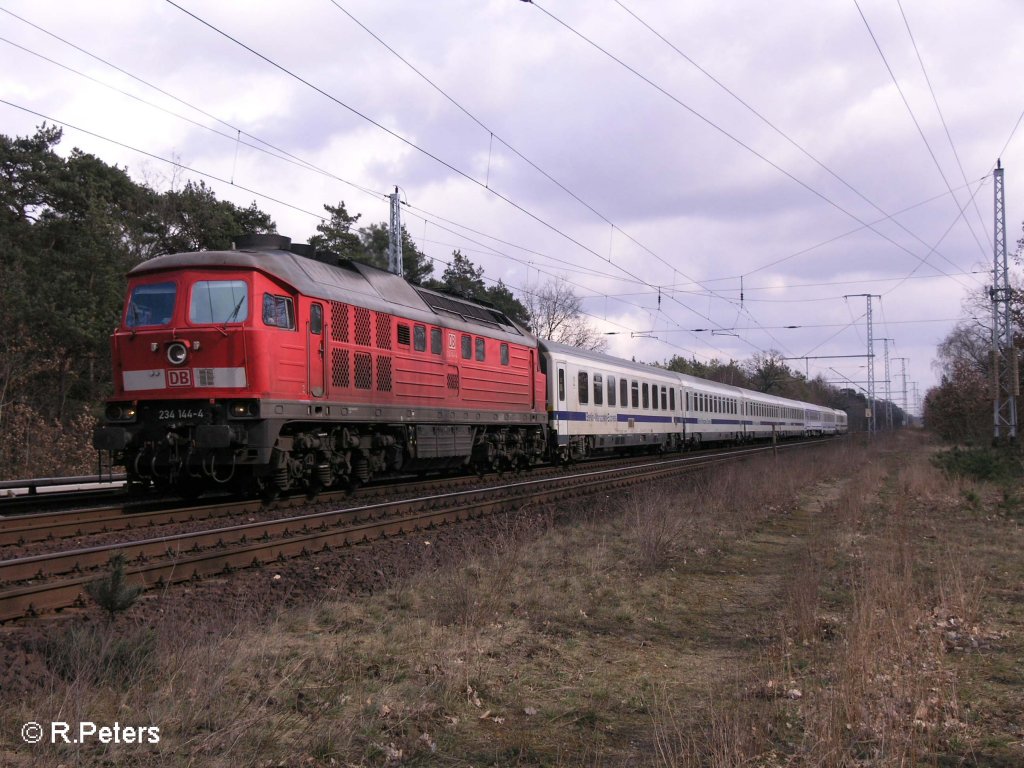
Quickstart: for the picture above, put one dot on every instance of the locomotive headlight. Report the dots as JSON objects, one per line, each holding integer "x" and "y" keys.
{"x": 116, "y": 412}
{"x": 176, "y": 353}
{"x": 242, "y": 408}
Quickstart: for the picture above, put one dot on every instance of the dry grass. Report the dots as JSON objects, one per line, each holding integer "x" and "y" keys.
{"x": 725, "y": 620}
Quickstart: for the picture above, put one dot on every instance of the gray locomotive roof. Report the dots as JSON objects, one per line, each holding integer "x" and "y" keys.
{"x": 348, "y": 282}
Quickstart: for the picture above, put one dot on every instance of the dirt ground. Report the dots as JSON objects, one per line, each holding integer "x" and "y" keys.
{"x": 856, "y": 607}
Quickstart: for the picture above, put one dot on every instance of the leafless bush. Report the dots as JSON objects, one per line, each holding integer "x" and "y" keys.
{"x": 723, "y": 732}
{"x": 658, "y": 523}
{"x": 33, "y": 446}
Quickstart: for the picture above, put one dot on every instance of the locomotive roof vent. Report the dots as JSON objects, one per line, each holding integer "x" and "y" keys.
{"x": 270, "y": 241}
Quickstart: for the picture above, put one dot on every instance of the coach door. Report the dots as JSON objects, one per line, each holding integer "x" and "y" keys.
{"x": 315, "y": 350}
{"x": 560, "y": 389}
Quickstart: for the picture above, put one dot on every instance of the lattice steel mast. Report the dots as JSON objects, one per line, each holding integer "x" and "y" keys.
{"x": 395, "y": 236}
{"x": 1005, "y": 384}
{"x": 871, "y": 359}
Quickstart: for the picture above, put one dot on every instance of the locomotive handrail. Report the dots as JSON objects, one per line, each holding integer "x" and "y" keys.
{"x": 33, "y": 484}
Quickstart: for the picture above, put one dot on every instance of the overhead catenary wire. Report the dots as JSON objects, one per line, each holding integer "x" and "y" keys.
{"x": 413, "y": 145}
{"x": 803, "y": 150}
{"x": 732, "y": 137}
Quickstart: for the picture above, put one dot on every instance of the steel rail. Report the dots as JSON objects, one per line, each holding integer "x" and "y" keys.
{"x": 253, "y": 543}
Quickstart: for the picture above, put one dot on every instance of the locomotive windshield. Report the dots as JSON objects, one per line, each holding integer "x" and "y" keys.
{"x": 151, "y": 305}
{"x": 219, "y": 301}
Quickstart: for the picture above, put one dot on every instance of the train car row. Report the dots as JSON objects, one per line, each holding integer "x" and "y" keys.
{"x": 274, "y": 367}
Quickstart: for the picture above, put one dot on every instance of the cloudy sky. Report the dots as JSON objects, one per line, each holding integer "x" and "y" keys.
{"x": 705, "y": 174}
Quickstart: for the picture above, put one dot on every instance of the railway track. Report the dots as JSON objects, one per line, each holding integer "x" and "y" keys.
{"x": 33, "y": 584}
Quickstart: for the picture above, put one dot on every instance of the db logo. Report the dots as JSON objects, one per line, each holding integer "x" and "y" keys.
{"x": 179, "y": 377}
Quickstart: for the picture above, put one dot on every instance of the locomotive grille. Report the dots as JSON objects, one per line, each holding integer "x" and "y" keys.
{"x": 383, "y": 373}
{"x": 453, "y": 381}
{"x": 383, "y": 331}
{"x": 363, "y": 327}
{"x": 339, "y": 321}
{"x": 339, "y": 367}
{"x": 364, "y": 370}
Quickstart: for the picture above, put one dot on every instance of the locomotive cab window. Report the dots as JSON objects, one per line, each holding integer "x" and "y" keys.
{"x": 151, "y": 305}
{"x": 316, "y": 319}
{"x": 278, "y": 311}
{"x": 219, "y": 301}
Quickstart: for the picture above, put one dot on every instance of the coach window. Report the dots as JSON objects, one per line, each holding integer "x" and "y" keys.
{"x": 624, "y": 393}
{"x": 654, "y": 396}
{"x": 278, "y": 311}
{"x": 583, "y": 385}
{"x": 435, "y": 341}
{"x": 503, "y": 351}
{"x": 419, "y": 338}
{"x": 647, "y": 395}
{"x": 403, "y": 334}
{"x": 481, "y": 349}
{"x": 467, "y": 347}
{"x": 561, "y": 385}
{"x": 635, "y": 392}
{"x": 611, "y": 391}
{"x": 598, "y": 389}
{"x": 672, "y": 398}
{"x": 316, "y": 319}
{"x": 664, "y": 398}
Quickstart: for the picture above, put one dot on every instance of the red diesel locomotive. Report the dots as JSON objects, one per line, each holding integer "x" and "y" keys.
{"x": 275, "y": 367}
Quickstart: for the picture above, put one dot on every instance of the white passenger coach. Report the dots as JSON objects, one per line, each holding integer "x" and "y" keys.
{"x": 598, "y": 403}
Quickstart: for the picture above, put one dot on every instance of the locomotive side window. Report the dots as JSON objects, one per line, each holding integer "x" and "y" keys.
{"x": 503, "y": 351}
{"x": 150, "y": 305}
{"x": 598, "y": 389}
{"x": 435, "y": 341}
{"x": 611, "y": 390}
{"x": 467, "y": 347}
{"x": 419, "y": 338}
{"x": 582, "y": 386}
{"x": 316, "y": 319}
{"x": 278, "y": 311}
{"x": 481, "y": 349}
